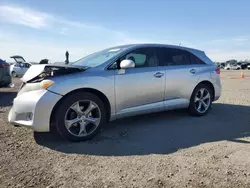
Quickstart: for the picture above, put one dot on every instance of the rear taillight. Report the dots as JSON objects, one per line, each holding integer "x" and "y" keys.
{"x": 217, "y": 70}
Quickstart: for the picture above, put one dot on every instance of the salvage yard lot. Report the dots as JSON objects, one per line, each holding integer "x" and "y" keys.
{"x": 168, "y": 149}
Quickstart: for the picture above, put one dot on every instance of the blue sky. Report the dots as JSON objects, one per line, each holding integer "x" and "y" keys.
{"x": 46, "y": 29}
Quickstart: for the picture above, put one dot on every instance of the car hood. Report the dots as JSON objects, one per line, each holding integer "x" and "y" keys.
{"x": 42, "y": 71}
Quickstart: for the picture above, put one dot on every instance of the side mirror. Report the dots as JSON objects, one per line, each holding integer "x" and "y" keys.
{"x": 127, "y": 63}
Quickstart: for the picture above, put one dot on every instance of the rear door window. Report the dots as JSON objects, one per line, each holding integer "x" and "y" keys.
{"x": 173, "y": 57}
{"x": 17, "y": 65}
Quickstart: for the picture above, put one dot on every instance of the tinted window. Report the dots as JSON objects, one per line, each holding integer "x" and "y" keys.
{"x": 144, "y": 57}
{"x": 26, "y": 65}
{"x": 17, "y": 65}
{"x": 195, "y": 60}
{"x": 173, "y": 57}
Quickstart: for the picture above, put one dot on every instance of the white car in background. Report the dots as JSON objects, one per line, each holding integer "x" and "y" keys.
{"x": 232, "y": 67}
{"x": 19, "y": 68}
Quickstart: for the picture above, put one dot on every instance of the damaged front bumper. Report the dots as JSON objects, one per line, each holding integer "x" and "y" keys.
{"x": 33, "y": 109}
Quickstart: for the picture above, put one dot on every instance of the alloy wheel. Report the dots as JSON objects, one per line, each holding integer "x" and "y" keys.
{"x": 82, "y": 118}
{"x": 202, "y": 100}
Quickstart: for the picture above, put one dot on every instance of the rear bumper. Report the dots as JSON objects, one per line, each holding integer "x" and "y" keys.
{"x": 33, "y": 109}
{"x": 217, "y": 90}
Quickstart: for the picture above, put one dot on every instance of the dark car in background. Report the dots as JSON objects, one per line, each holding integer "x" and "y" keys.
{"x": 5, "y": 77}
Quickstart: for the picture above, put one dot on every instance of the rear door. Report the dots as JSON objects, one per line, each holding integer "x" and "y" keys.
{"x": 22, "y": 68}
{"x": 17, "y": 68}
{"x": 182, "y": 71}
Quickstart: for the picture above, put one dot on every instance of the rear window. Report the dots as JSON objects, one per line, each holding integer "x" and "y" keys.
{"x": 175, "y": 57}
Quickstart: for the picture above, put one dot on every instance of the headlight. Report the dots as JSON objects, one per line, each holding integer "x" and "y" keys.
{"x": 46, "y": 83}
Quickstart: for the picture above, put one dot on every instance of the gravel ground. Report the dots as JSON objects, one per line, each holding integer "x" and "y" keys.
{"x": 169, "y": 149}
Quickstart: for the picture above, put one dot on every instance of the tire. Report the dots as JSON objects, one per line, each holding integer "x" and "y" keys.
{"x": 194, "y": 105}
{"x": 64, "y": 109}
{"x": 13, "y": 74}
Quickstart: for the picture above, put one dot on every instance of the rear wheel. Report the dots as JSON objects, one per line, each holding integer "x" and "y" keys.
{"x": 201, "y": 100}
{"x": 80, "y": 116}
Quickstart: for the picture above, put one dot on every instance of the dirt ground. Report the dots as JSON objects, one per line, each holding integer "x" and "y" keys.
{"x": 169, "y": 149}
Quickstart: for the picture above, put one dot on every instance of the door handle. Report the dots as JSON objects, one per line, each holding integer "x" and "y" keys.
{"x": 158, "y": 75}
{"x": 193, "y": 71}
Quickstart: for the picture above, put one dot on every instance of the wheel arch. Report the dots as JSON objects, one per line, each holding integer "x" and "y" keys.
{"x": 96, "y": 92}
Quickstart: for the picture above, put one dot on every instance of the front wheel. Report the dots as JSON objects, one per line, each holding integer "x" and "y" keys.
{"x": 80, "y": 116}
{"x": 201, "y": 100}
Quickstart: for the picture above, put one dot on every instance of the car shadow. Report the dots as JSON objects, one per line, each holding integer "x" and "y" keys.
{"x": 159, "y": 133}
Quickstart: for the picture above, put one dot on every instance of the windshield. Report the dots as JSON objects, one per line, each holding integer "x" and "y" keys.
{"x": 99, "y": 58}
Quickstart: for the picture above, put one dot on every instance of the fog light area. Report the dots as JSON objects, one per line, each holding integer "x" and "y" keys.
{"x": 29, "y": 116}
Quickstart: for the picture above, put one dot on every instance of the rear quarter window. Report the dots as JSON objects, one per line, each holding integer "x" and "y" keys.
{"x": 194, "y": 60}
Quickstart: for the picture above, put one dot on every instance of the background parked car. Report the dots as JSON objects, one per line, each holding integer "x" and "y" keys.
{"x": 20, "y": 67}
{"x": 232, "y": 67}
{"x": 44, "y": 61}
{"x": 5, "y": 78}
{"x": 242, "y": 64}
{"x": 221, "y": 66}
{"x": 248, "y": 66}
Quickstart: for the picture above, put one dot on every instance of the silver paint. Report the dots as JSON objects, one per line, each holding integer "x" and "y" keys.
{"x": 130, "y": 92}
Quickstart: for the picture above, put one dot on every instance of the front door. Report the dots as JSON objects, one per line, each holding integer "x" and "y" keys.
{"x": 140, "y": 89}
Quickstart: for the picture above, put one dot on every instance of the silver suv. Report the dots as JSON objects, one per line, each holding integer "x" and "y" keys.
{"x": 80, "y": 97}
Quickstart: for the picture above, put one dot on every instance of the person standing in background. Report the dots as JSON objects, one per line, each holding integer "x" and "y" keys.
{"x": 67, "y": 57}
